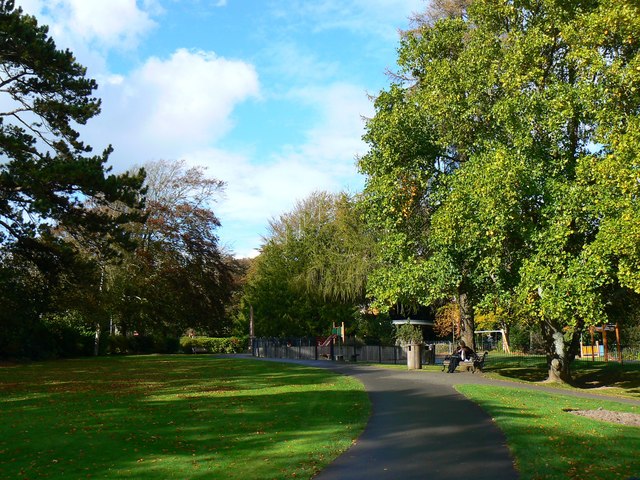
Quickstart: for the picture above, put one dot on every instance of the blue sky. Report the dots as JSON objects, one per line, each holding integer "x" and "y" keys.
{"x": 268, "y": 95}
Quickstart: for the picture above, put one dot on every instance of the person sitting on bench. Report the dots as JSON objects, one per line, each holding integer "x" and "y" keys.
{"x": 462, "y": 354}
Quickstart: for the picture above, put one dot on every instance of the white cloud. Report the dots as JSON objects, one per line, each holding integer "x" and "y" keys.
{"x": 91, "y": 29}
{"x": 257, "y": 191}
{"x": 194, "y": 93}
{"x": 341, "y": 107}
{"x": 116, "y": 23}
{"x": 168, "y": 104}
{"x": 289, "y": 61}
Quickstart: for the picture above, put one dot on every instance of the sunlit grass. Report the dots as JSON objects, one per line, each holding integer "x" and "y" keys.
{"x": 550, "y": 443}
{"x": 174, "y": 417}
{"x": 607, "y": 378}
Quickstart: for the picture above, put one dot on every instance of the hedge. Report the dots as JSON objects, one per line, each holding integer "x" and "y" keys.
{"x": 214, "y": 345}
{"x": 142, "y": 344}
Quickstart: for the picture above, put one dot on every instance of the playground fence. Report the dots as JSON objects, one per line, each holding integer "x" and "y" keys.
{"x": 310, "y": 349}
{"x": 433, "y": 352}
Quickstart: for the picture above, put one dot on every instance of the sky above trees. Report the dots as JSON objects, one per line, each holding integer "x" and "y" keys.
{"x": 268, "y": 95}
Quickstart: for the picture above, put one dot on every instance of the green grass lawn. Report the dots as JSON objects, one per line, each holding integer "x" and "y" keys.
{"x": 162, "y": 417}
{"x": 550, "y": 443}
{"x": 608, "y": 378}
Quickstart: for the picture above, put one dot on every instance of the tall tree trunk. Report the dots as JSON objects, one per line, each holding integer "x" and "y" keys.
{"x": 96, "y": 341}
{"x": 562, "y": 348}
{"x": 467, "y": 323}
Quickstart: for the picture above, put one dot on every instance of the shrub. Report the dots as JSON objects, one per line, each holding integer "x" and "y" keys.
{"x": 61, "y": 335}
{"x": 407, "y": 333}
{"x": 118, "y": 344}
{"x": 142, "y": 344}
{"x": 214, "y": 345}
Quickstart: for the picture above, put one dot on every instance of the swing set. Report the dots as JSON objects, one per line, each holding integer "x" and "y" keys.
{"x": 602, "y": 350}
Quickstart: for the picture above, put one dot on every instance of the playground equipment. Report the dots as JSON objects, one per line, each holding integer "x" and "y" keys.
{"x": 337, "y": 334}
{"x": 597, "y": 350}
{"x": 327, "y": 341}
{"x": 339, "y": 331}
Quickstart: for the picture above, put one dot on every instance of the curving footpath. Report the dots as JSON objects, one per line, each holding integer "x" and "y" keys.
{"x": 422, "y": 428}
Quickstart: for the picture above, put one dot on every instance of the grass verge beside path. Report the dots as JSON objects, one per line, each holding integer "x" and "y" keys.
{"x": 605, "y": 378}
{"x": 548, "y": 442}
{"x": 184, "y": 417}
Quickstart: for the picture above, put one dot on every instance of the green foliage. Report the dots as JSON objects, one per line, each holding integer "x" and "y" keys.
{"x": 407, "y": 333}
{"x": 502, "y": 169}
{"x": 312, "y": 269}
{"x": 179, "y": 277}
{"x": 214, "y": 345}
{"x": 65, "y": 335}
{"x": 62, "y": 215}
{"x": 29, "y": 326}
{"x": 24, "y": 296}
{"x": 54, "y": 336}
{"x": 46, "y": 178}
{"x": 631, "y": 333}
{"x": 527, "y": 339}
{"x": 142, "y": 344}
{"x": 373, "y": 329}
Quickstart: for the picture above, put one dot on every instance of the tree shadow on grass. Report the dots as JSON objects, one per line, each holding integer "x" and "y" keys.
{"x": 599, "y": 374}
{"x": 549, "y": 443}
{"x": 175, "y": 418}
{"x": 525, "y": 374}
{"x": 586, "y": 375}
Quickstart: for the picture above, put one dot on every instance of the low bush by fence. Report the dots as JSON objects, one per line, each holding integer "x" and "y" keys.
{"x": 213, "y": 345}
{"x": 141, "y": 344}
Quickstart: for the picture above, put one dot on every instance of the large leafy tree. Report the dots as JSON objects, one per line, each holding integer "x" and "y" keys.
{"x": 413, "y": 149}
{"x": 312, "y": 269}
{"x": 56, "y": 198}
{"x": 47, "y": 174}
{"x": 482, "y": 229}
{"x": 527, "y": 112}
{"x": 179, "y": 276}
{"x": 579, "y": 103}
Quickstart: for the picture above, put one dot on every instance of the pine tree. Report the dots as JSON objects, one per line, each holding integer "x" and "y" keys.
{"x": 49, "y": 180}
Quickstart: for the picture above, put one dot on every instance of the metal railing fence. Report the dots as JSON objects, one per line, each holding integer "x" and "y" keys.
{"x": 433, "y": 352}
{"x": 310, "y": 349}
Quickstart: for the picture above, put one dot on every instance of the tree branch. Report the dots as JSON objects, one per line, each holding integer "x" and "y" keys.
{"x": 12, "y": 79}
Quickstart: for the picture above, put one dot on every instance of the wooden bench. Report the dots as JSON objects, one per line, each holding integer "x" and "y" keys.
{"x": 476, "y": 365}
{"x": 199, "y": 350}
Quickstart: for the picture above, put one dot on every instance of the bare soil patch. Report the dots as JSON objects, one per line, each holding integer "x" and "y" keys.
{"x": 624, "y": 418}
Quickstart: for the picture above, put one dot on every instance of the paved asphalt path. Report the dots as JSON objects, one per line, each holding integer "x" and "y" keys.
{"x": 422, "y": 428}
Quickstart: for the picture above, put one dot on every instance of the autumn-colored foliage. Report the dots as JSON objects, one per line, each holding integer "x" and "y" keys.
{"x": 447, "y": 319}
